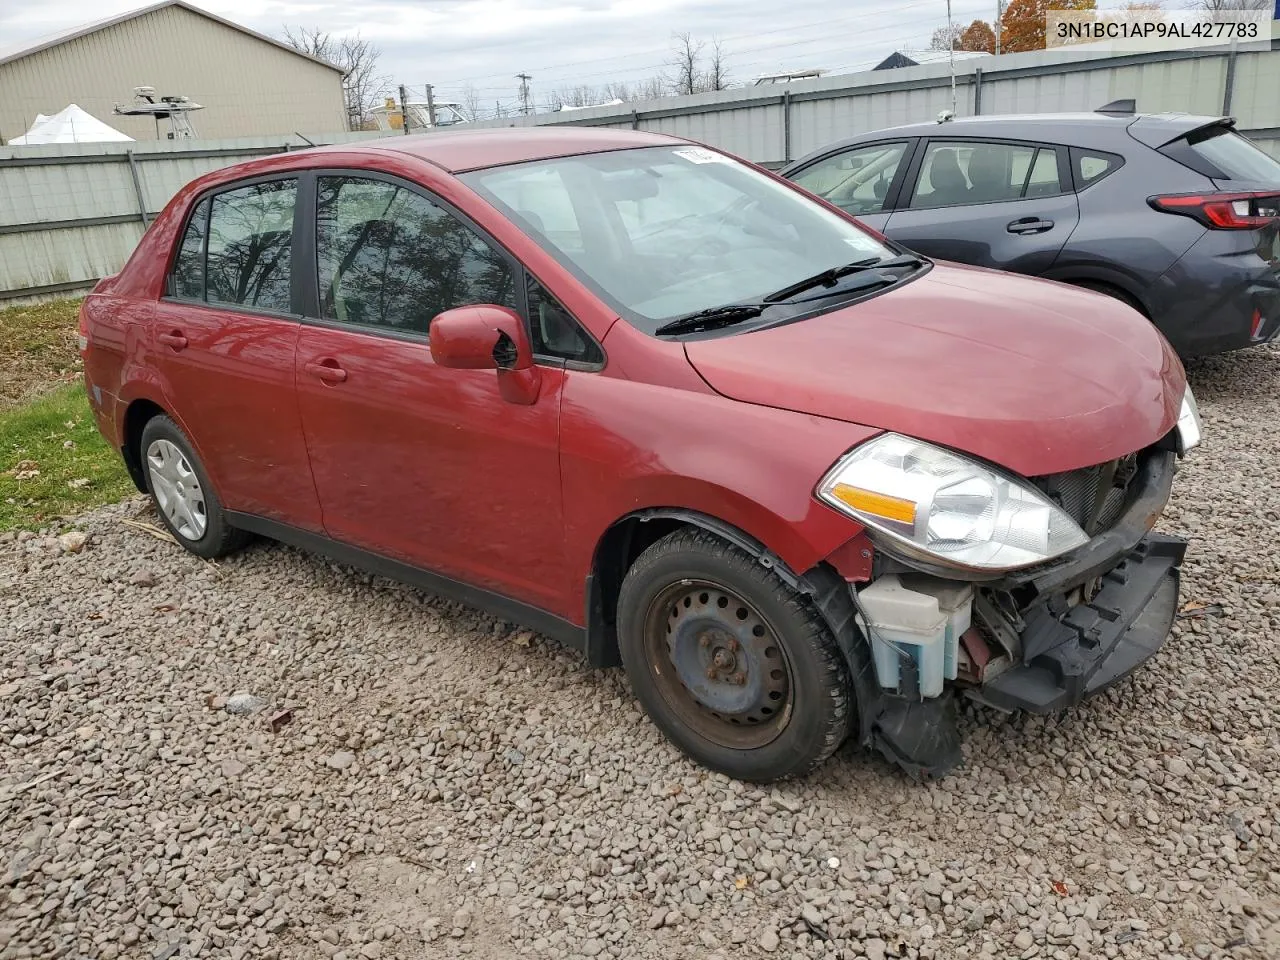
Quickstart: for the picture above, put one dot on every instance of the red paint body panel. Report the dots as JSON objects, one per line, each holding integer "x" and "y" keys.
{"x": 233, "y": 386}
{"x": 1033, "y": 376}
{"x": 432, "y": 466}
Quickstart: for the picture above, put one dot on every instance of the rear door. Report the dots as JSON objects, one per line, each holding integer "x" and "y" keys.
{"x": 863, "y": 180}
{"x": 1002, "y": 204}
{"x": 224, "y": 340}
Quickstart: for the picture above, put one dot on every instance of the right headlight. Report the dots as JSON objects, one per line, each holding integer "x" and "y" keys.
{"x": 952, "y": 510}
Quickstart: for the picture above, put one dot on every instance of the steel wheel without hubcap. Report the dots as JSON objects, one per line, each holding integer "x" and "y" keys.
{"x": 176, "y": 489}
{"x": 718, "y": 664}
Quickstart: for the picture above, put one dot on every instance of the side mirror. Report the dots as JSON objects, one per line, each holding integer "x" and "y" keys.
{"x": 487, "y": 337}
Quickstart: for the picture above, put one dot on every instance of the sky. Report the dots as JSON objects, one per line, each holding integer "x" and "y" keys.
{"x": 483, "y": 44}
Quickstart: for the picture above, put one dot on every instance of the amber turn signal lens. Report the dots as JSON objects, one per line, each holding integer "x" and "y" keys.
{"x": 876, "y": 504}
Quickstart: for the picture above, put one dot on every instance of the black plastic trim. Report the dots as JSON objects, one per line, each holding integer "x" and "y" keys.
{"x": 569, "y": 634}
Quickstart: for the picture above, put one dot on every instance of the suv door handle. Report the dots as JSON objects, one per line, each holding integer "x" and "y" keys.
{"x": 326, "y": 370}
{"x": 174, "y": 339}
{"x": 1030, "y": 225}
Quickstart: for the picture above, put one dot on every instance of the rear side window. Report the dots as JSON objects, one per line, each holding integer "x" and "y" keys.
{"x": 1223, "y": 154}
{"x": 249, "y": 246}
{"x": 1090, "y": 166}
{"x": 187, "y": 280}
{"x": 388, "y": 257}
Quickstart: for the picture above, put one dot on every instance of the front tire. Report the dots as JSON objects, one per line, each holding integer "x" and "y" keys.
{"x": 182, "y": 493}
{"x": 732, "y": 664}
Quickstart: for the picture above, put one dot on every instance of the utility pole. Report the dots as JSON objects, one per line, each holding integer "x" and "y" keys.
{"x": 999, "y": 17}
{"x": 431, "y": 107}
{"x": 404, "y": 111}
{"x": 951, "y": 57}
{"x": 524, "y": 79}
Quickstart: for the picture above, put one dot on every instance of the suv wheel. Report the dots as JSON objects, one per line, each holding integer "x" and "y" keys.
{"x": 732, "y": 664}
{"x": 183, "y": 496}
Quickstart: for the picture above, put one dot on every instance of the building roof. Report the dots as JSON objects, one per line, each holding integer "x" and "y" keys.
{"x": 25, "y": 48}
{"x": 917, "y": 58}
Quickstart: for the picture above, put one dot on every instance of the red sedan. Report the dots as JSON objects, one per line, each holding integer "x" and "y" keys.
{"x": 659, "y": 404}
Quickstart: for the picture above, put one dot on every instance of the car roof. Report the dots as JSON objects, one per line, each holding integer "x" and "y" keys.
{"x": 1090, "y": 128}
{"x": 461, "y": 150}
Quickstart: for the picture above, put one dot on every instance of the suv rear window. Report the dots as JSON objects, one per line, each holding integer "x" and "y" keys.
{"x": 1221, "y": 153}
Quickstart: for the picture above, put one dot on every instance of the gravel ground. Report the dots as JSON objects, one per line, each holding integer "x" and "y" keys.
{"x": 452, "y": 785}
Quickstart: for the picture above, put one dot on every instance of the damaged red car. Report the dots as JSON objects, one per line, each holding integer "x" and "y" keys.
{"x": 655, "y": 402}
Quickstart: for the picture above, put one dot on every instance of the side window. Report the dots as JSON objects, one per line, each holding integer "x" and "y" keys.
{"x": 1089, "y": 167}
{"x": 856, "y": 180}
{"x": 250, "y": 241}
{"x": 388, "y": 257}
{"x": 955, "y": 173}
{"x": 555, "y": 333}
{"x": 187, "y": 279}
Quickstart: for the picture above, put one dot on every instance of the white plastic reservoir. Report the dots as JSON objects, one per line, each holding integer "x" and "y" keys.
{"x": 920, "y": 616}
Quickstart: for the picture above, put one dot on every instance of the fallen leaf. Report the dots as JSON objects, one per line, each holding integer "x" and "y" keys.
{"x": 1059, "y": 888}
{"x": 742, "y": 882}
{"x": 79, "y": 483}
{"x": 68, "y": 444}
{"x": 523, "y": 638}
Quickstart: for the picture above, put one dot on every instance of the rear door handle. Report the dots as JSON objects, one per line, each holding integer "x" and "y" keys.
{"x": 174, "y": 339}
{"x": 1030, "y": 225}
{"x": 326, "y": 370}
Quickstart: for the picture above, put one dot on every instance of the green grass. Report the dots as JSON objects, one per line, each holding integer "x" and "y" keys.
{"x": 53, "y": 461}
{"x": 37, "y": 349}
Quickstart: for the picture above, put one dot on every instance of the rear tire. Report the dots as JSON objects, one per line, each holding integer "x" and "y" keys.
{"x": 184, "y": 498}
{"x": 732, "y": 664}
{"x": 1115, "y": 293}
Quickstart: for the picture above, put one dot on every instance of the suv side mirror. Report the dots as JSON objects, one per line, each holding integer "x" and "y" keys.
{"x": 487, "y": 337}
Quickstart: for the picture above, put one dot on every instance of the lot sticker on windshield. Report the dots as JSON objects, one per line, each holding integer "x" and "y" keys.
{"x": 701, "y": 155}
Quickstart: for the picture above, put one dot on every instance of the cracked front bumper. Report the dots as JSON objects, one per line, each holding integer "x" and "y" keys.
{"x": 1070, "y": 653}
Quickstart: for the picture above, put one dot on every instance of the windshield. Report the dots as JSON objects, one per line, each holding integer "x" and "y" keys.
{"x": 663, "y": 232}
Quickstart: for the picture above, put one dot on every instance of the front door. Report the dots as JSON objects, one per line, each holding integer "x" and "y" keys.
{"x": 993, "y": 204}
{"x": 426, "y": 465}
{"x": 225, "y": 335}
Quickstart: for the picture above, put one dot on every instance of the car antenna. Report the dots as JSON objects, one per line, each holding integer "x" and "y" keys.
{"x": 1119, "y": 108}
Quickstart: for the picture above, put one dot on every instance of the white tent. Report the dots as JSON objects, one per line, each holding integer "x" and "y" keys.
{"x": 69, "y": 125}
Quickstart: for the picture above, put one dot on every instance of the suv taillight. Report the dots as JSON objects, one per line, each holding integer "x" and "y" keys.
{"x": 1223, "y": 211}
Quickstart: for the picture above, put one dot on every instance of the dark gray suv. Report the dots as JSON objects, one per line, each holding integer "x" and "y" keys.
{"x": 1177, "y": 215}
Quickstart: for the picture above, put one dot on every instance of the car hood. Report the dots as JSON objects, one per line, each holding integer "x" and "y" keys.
{"x": 1035, "y": 376}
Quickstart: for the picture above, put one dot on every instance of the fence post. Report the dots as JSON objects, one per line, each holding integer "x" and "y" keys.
{"x": 635, "y": 119}
{"x": 137, "y": 188}
{"x": 977, "y": 91}
{"x": 1230, "y": 82}
{"x": 786, "y": 126}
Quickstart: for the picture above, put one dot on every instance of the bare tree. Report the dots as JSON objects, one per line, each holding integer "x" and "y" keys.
{"x": 685, "y": 63}
{"x": 944, "y": 37}
{"x": 717, "y": 76}
{"x": 362, "y": 86}
{"x": 1220, "y": 6}
{"x": 470, "y": 98}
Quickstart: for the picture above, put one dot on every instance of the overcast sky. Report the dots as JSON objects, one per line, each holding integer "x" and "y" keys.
{"x": 563, "y": 42}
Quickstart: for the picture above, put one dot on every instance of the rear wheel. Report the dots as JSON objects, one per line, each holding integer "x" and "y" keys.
{"x": 183, "y": 496}
{"x": 1115, "y": 293}
{"x": 732, "y": 664}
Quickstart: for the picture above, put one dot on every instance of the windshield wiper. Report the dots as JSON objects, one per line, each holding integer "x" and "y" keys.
{"x": 829, "y": 278}
{"x": 712, "y": 318}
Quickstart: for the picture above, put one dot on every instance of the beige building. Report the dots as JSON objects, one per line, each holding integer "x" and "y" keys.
{"x": 249, "y": 84}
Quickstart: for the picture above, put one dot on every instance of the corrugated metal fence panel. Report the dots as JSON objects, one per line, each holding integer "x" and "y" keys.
{"x": 77, "y": 255}
{"x": 1256, "y": 95}
{"x": 65, "y": 192}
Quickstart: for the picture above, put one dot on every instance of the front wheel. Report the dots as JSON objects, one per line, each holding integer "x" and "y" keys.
{"x": 734, "y": 666}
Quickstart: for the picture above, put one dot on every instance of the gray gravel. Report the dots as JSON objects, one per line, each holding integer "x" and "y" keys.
{"x": 450, "y": 786}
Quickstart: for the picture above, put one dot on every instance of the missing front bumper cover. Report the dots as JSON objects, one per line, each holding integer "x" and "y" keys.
{"x": 1070, "y": 655}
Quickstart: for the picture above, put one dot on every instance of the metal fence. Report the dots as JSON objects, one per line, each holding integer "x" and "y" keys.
{"x": 72, "y": 214}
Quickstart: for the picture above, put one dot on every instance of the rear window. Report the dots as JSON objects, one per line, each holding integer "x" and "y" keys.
{"x": 1223, "y": 154}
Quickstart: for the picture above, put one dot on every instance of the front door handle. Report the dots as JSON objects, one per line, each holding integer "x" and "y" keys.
{"x": 1030, "y": 225}
{"x": 174, "y": 339}
{"x": 326, "y": 370}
